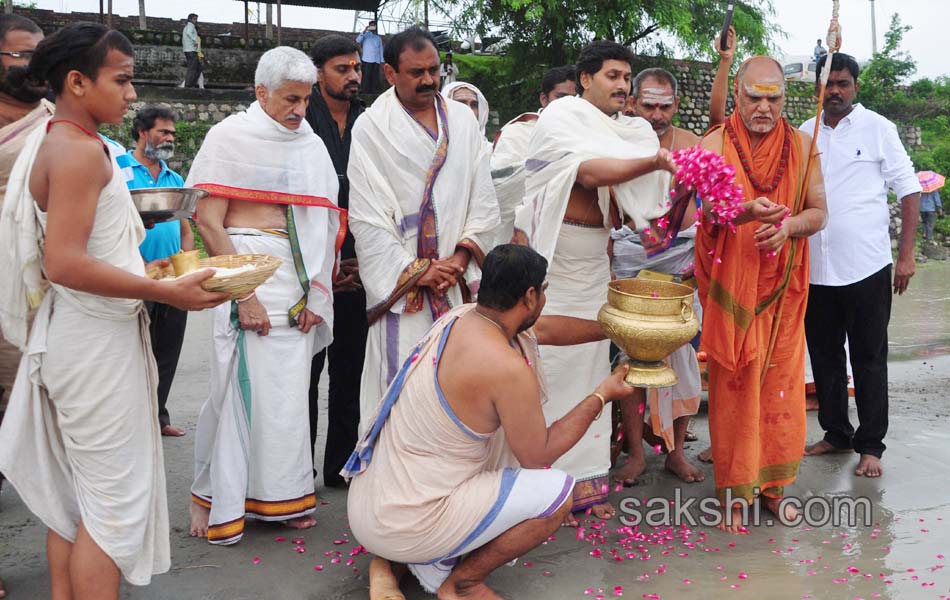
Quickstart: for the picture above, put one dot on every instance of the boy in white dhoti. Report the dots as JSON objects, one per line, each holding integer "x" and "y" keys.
{"x": 453, "y": 475}
{"x": 273, "y": 191}
{"x": 589, "y": 168}
{"x": 422, "y": 207}
{"x": 80, "y": 440}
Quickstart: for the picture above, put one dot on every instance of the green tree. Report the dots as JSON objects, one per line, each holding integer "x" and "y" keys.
{"x": 551, "y": 31}
{"x": 887, "y": 71}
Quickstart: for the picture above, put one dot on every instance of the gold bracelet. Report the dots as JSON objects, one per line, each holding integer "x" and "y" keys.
{"x": 603, "y": 402}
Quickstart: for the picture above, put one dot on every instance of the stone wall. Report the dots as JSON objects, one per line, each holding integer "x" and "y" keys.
{"x": 165, "y": 31}
{"x": 222, "y": 67}
{"x": 195, "y": 119}
{"x": 695, "y": 81}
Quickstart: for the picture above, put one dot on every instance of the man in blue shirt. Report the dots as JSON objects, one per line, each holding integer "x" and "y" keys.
{"x": 154, "y": 131}
{"x": 930, "y": 208}
{"x": 372, "y": 56}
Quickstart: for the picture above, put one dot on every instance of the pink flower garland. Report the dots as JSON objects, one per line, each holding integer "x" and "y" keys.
{"x": 715, "y": 182}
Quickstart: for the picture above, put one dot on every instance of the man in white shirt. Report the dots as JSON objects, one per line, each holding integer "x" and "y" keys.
{"x": 191, "y": 46}
{"x": 862, "y": 158}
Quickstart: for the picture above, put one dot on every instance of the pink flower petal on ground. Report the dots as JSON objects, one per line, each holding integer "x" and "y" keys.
{"x": 743, "y": 575}
{"x": 840, "y": 580}
{"x": 596, "y": 553}
{"x": 734, "y": 586}
{"x": 338, "y": 542}
{"x": 528, "y": 564}
{"x": 940, "y": 556}
{"x": 317, "y": 567}
{"x": 335, "y": 560}
{"x": 280, "y": 538}
{"x": 687, "y": 582}
{"x": 658, "y": 449}
{"x": 589, "y": 591}
{"x": 853, "y": 569}
{"x": 257, "y": 560}
{"x": 618, "y": 590}
{"x": 300, "y": 549}
{"x": 546, "y": 573}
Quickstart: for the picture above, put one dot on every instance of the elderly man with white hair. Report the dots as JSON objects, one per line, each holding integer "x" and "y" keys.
{"x": 273, "y": 191}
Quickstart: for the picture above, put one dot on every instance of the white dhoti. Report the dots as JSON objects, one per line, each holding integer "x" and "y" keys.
{"x": 80, "y": 440}
{"x": 426, "y": 489}
{"x": 252, "y": 454}
{"x": 665, "y": 405}
{"x": 577, "y": 287}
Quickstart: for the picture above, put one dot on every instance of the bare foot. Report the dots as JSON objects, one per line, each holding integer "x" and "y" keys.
{"x": 811, "y": 403}
{"x": 603, "y": 511}
{"x": 677, "y": 464}
{"x": 627, "y": 474}
{"x": 199, "y": 520}
{"x": 824, "y": 447}
{"x": 569, "y": 520}
{"x": 869, "y": 466}
{"x": 171, "y": 431}
{"x": 772, "y": 505}
{"x": 705, "y": 456}
{"x": 383, "y": 582}
{"x": 451, "y": 590}
{"x": 305, "y": 522}
{"x": 735, "y": 526}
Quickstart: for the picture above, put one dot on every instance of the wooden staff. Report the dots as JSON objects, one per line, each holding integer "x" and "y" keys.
{"x": 834, "y": 45}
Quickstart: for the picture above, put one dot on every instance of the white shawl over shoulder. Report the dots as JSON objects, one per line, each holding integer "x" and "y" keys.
{"x": 569, "y": 132}
{"x": 390, "y": 165}
{"x": 250, "y": 156}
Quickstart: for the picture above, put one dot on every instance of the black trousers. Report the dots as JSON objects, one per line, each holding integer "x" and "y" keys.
{"x": 372, "y": 81}
{"x": 860, "y": 311}
{"x": 192, "y": 69}
{"x": 167, "y": 330}
{"x": 346, "y": 355}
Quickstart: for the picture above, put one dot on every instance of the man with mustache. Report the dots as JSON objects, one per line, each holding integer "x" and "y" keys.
{"x": 753, "y": 283}
{"x": 851, "y": 266}
{"x": 422, "y": 208}
{"x": 334, "y": 108}
{"x": 273, "y": 191}
{"x": 589, "y": 169}
{"x": 665, "y": 249}
{"x": 154, "y": 131}
{"x": 22, "y": 108}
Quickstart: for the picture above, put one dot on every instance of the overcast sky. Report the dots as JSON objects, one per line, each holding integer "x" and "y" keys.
{"x": 803, "y": 20}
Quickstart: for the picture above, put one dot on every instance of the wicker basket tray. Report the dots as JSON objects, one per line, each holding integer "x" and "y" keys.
{"x": 237, "y": 285}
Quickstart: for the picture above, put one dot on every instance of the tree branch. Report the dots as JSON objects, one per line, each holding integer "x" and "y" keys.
{"x": 639, "y": 36}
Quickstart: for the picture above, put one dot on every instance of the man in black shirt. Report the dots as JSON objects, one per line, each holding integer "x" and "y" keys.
{"x": 334, "y": 107}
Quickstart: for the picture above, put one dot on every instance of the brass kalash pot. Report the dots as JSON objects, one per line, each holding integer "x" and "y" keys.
{"x": 648, "y": 320}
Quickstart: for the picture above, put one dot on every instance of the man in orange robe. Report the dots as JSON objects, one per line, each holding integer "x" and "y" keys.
{"x": 753, "y": 283}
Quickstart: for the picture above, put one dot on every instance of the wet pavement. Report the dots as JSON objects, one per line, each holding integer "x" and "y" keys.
{"x": 899, "y": 554}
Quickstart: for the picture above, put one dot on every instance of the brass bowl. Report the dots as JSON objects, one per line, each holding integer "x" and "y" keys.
{"x": 648, "y": 320}
{"x": 157, "y": 205}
